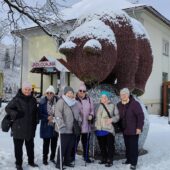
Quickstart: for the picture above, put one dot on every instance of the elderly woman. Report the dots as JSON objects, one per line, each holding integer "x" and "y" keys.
{"x": 85, "y": 104}
{"x": 132, "y": 118}
{"x": 106, "y": 114}
{"x": 47, "y": 132}
{"x": 65, "y": 112}
{"x": 23, "y": 111}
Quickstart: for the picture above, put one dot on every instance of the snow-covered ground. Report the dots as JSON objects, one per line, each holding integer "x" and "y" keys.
{"x": 157, "y": 144}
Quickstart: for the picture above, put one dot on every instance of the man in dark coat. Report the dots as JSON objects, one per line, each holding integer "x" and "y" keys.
{"x": 22, "y": 110}
{"x": 132, "y": 118}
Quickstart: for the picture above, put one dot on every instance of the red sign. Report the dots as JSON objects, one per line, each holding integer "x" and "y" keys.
{"x": 43, "y": 64}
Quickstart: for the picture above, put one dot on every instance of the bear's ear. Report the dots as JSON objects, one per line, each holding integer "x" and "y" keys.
{"x": 93, "y": 47}
{"x": 67, "y": 48}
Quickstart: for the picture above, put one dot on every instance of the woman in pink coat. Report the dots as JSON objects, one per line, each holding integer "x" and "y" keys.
{"x": 85, "y": 104}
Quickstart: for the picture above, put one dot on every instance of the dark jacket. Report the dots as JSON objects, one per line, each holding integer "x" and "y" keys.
{"x": 46, "y": 130}
{"x": 131, "y": 116}
{"x": 24, "y": 114}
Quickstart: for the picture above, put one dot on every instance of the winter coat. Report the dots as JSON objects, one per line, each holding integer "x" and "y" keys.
{"x": 24, "y": 114}
{"x": 64, "y": 116}
{"x": 46, "y": 130}
{"x": 102, "y": 116}
{"x": 87, "y": 108}
{"x": 131, "y": 115}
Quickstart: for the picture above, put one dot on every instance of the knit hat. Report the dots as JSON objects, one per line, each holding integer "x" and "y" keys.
{"x": 82, "y": 86}
{"x": 125, "y": 91}
{"x": 105, "y": 93}
{"x": 26, "y": 85}
{"x": 67, "y": 89}
{"x": 50, "y": 89}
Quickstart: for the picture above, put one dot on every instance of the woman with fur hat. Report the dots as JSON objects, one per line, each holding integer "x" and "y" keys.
{"x": 23, "y": 111}
{"x": 65, "y": 112}
{"x": 104, "y": 129}
{"x": 47, "y": 132}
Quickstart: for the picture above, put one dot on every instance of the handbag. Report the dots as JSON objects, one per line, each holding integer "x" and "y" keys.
{"x": 76, "y": 127}
{"x": 6, "y": 123}
{"x": 118, "y": 125}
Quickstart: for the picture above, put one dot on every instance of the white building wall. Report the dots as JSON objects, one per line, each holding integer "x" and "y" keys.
{"x": 157, "y": 31}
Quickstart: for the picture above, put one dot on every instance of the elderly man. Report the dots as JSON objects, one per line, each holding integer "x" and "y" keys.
{"x": 22, "y": 110}
{"x": 132, "y": 118}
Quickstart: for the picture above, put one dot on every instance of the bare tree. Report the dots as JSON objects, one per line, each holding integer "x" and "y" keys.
{"x": 7, "y": 59}
{"x": 3, "y": 29}
{"x": 19, "y": 11}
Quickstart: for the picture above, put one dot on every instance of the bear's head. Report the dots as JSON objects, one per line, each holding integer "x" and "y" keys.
{"x": 90, "y": 51}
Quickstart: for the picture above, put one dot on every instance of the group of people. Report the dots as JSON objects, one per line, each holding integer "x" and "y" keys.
{"x": 57, "y": 115}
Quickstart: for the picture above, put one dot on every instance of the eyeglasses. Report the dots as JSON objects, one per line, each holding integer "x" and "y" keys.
{"x": 49, "y": 93}
{"x": 82, "y": 91}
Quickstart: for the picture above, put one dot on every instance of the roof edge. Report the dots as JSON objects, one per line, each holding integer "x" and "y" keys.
{"x": 152, "y": 11}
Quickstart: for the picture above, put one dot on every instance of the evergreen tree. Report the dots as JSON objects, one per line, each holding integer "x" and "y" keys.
{"x": 7, "y": 59}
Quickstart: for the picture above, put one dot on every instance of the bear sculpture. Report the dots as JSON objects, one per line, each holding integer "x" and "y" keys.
{"x": 109, "y": 47}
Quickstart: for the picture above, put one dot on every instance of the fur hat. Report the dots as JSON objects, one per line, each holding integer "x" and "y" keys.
{"x": 67, "y": 89}
{"x": 26, "y": 84}
{"x": 82, "y": 86}
{"x": 125, "y": 91}
{"x": 50, "y": 89}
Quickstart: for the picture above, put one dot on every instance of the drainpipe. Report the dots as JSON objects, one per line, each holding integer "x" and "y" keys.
{"x": 169, "y": 113}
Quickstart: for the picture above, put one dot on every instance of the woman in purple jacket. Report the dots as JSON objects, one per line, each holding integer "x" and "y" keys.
{"x": 132, "y": 117}
{"x": 85, "y": 104}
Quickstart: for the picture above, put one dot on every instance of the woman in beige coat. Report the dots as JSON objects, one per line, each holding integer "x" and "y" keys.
{"x": 104, "y": 129}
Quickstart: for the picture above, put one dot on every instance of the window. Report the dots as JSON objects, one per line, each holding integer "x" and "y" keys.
{"x": 164, "y": 77}
{"x": 165, "y": 47}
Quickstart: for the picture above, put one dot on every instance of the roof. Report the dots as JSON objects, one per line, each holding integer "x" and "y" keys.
{"x": 130, "y": 9}
{"x": 48, "y": 65}
{"x": 152, "y": 10}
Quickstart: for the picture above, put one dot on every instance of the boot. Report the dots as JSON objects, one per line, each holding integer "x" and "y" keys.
{"x": 126, "y": 162}
{"x": 45, "y": 162}
{"x": 102, "y": 161}
{"x": 109, "y": 163}
{"x": 33, "y": 164}
{"x": 19, "y": 167}
{"x": 132, "y": 167}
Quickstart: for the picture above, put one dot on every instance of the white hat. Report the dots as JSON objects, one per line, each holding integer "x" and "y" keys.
{"x": 50, "y": 89}
{"x": 125, "y": 91}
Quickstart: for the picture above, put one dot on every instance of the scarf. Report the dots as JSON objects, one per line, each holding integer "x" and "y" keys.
{"x": 69, "y": 101}
{"x": 51, "y": 108}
